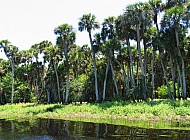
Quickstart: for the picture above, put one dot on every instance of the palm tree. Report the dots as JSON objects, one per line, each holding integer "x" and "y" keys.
{"x": 125, "y": 32}
{"x": 157, "y": 7}
{"x": 52, "y": 55}
{"x": 150, "y": 36}
{"x": 77, "y": 58}
{"x": 31, "y": 69}
{"x": 10, "y": 52}
{"x": 137, "y": 17}
{"x": 66, "y": 38}
{"x": 175, "y": 18}
{"x": 35, "y": 51}
{"x": 111, "y": 44}
{"x": 41, "y": 47}
{"x": 88, "y": 22}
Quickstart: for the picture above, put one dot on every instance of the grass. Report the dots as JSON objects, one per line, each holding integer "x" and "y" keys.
{"x": 153, "y": 110}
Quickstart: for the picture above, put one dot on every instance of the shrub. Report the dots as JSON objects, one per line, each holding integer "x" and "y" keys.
{"x": 77, "y": 88}
{"x": 163, "y": 91}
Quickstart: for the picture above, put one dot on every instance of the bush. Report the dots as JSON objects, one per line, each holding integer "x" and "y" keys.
{"x": 77, "y": 88}
{"x": 21, "y": 90}
{"x": 163, "y": 91}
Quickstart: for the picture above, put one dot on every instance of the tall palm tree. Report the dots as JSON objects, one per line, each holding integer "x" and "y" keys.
{"x": 157, "y": 7}
{"x": 149, "y": 36}
{"x": 175, "y": 18}
{"x": 66, "y": 38}
{"x": 168, "y": 44}
{"x": 41, "y": 47}
{"x": 125, "y": 32}
{"x": 77, "y": 58}
{"x": 137, "y": 17}
{"x": 88, "y": 22}
{"x": 10, "y": 52}
{"x": 52, "y": 55}
{"x": 35, "y": 51}
{"x": 111, "y": 43}
{"x": 31, "y": 69}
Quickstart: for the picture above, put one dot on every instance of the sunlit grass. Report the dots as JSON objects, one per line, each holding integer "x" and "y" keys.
{"x": 153, "y": 110}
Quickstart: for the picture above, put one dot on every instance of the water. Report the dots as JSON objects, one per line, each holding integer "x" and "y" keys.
{"x": 46, "y": 129}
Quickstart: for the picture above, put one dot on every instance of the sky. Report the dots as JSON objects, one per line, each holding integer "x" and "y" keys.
{"x": 26, "y": 22}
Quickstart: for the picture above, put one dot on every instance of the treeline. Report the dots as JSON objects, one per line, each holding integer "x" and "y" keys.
{"x": 111, "y": 68}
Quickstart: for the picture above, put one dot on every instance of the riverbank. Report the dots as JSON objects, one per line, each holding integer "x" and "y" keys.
{"x": 153, "y": 110}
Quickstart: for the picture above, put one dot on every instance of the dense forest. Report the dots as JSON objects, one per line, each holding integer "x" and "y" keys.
{"x": 158, "y": 66}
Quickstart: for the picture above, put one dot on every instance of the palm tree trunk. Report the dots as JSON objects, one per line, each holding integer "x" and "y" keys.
{"x": 43, "y": 82}
{"x": 124, "y": 75}
{"x": 68, "y": 75}
{"x": 48, "y": 96}
{"x": 105, "y": 81}
{"x": 63, "y": 92}
{"x": 137, "y": 76}
{"x": 139, "y": 50}
{"x": 12, "y": 92}
{"x": 157, "y": 26}
{"x": 166, "y": 78}
{"x": 173, "y": 76}
{"x": 95, "y": 71}
{"x": 178, "y": 88}
{"x": 179, "y": 78}
{"x": 141, "y": 62}
{"x": 28, "y": 81}
{"x": 114, "y": 79}
{"x": 57, "y": 78}
{"x": 145, "y": 63}
{"x": 184, "y": 94}
{"x": 152, "y": 67}
{"x": 184, "y": 81}
{"x": 43, "y": 77}
{"x": 131, "y": 66}
{"x": 129, "y": 78}
{"x": 67, "y": 88}
{"x": 36, "y": 81}
{"x": 36, "y": 85}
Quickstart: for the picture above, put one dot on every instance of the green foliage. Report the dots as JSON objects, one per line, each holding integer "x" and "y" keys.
{"x": 6, "y": 82}
{"x": 77, "y": 89}
{"x": 163, "y": 91}
{"x": 22, "y": 91}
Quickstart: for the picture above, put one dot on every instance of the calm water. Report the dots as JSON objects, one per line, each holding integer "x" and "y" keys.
{"x": 45, "y": 129}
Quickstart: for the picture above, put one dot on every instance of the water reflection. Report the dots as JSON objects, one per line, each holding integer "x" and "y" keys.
{"x": 46, "y": 129}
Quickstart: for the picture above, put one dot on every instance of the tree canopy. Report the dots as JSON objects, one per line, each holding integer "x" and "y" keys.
{"x": 136, "y": 56}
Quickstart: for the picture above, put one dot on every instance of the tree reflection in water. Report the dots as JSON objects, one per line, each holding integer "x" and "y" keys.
{"x": 47, "y": 129}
